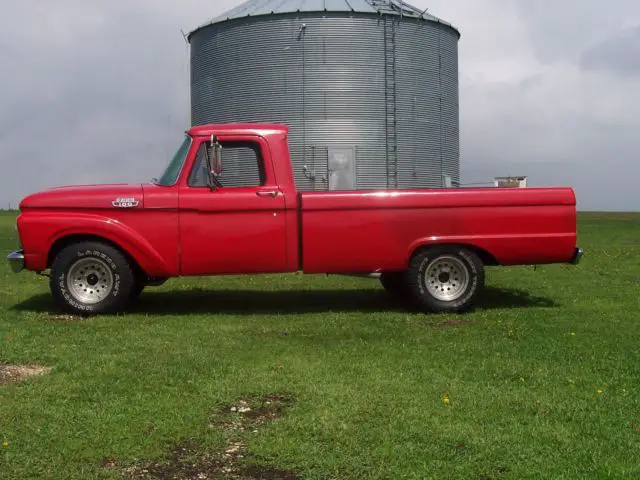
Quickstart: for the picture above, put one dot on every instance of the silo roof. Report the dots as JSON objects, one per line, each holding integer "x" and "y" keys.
{"x": 253, "y": 8}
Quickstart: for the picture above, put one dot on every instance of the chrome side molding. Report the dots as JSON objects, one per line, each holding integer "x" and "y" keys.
{"x": 16, "y": 261}
{"x": 577, "y": 256}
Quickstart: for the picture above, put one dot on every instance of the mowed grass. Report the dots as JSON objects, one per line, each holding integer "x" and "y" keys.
{"x": 542, "y": 379}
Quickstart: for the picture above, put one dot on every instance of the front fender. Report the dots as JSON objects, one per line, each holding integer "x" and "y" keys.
{"x": 40, "y": 231}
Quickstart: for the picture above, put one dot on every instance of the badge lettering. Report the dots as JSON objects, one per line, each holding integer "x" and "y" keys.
{"x": 123, "y": 202}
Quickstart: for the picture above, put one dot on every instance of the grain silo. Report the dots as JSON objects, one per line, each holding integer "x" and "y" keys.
{"x": 369, "y": 88}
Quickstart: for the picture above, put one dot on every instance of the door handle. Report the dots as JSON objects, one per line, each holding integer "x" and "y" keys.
{"x": 267, "y": 193}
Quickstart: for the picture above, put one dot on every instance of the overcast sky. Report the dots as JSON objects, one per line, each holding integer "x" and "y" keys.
{"x": 98, "y": 91}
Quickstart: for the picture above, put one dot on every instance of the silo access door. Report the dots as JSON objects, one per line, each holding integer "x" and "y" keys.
{"x": 342, "y": 169}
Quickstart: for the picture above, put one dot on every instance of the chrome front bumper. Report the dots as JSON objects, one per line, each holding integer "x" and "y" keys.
{"x": 16, "y": 260}
{"x": 577, "y": 256}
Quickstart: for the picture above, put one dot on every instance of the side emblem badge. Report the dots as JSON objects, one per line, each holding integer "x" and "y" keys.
{"x": 125, "y": 203}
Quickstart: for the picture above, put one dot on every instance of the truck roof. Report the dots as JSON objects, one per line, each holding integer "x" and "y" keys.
{"x": 260, "y": 129}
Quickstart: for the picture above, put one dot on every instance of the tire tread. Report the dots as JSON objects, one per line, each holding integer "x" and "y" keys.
{"x": 111, "y": 304}
{"x": 426, "y": 302}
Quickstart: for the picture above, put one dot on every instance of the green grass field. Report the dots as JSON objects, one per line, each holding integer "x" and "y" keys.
{"x": 542, "y": 380}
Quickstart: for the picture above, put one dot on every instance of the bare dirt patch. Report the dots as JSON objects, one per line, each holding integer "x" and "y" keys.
{"x": 19, "y": 373}
{"x": 187, "y": 461}
{"x": 258, "y": 410}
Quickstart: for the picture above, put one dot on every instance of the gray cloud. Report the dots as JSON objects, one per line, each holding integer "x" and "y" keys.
{"x": 530, "y": 107}
{"x": 620, "y": 54}
{"x": 97, "y": 91}
{"x": 561, "y": 31}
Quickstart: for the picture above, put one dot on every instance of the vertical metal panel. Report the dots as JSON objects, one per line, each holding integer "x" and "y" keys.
{"x": 326, "y": 80}
{"x": 342, "y": 173}
{"x": 428, "y": 104}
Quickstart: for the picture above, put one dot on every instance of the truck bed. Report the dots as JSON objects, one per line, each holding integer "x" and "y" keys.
{"x": 362, "y": 231}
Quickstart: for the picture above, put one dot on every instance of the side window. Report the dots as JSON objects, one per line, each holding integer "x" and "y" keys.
{"x": 198, "y": 176}
{"x": 242, "y": 165}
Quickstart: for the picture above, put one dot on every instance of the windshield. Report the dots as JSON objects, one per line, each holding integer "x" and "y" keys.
{"x": 170, "y": 175}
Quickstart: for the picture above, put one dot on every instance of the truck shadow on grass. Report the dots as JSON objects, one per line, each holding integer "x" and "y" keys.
{"x": 251, "y": 302}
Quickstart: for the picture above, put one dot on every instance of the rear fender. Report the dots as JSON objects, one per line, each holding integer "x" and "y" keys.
{"x": 511, "y": 249}
{"x": 487, "y": 257}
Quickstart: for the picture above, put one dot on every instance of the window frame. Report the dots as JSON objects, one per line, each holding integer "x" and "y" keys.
{"x": 252, "y": 144}
{"x": 187, "y": 141}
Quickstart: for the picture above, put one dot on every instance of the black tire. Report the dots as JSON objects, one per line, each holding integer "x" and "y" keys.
{"x": 155, "y": 281}
{"x": 91, "y": 278}
{"x": 143, "y": 281}
{"x": 394, "y": 283}
{"x": 138, "y": 288}
{"x": 445, "y": 279}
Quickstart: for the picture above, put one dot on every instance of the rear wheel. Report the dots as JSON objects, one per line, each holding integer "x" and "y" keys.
{"x": 91, "y": 278}
{"x": 445, "y": 279}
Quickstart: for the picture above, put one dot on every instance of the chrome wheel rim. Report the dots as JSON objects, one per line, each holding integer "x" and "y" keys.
{"x": 90, "y": 280}
{"x": 447, "y": 278}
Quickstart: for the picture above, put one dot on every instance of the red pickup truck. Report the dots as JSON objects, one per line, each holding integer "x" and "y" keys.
{"x": 227, "y": 204}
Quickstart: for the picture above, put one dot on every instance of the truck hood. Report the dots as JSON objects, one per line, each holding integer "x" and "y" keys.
{"x": 108, "y": 196}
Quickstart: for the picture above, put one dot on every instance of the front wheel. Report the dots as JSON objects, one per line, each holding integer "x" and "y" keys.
{"x": 142, "y": 282}
{"x": 445, "y": 279}
{"x": 91, "y": 278}
{"x": 138, "y": 288}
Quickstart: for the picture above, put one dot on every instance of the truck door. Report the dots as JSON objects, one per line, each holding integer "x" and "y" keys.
{"x": 240, "y": 226}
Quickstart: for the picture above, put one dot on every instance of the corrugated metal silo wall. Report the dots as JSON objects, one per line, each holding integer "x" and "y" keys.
{"x": 427, "y": 104}
{"x": 327, "y": 82}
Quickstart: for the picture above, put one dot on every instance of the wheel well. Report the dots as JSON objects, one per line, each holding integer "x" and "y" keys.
{"x": 486, "y": 257}
{"x": 64, "y": 242}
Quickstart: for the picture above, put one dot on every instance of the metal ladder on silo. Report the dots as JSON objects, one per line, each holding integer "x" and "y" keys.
{"x": 391, "y": 116}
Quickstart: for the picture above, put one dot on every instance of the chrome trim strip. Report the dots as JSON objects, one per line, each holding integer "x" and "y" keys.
{"x": 577, "y": 256}
{"x": 16, "y": 260}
